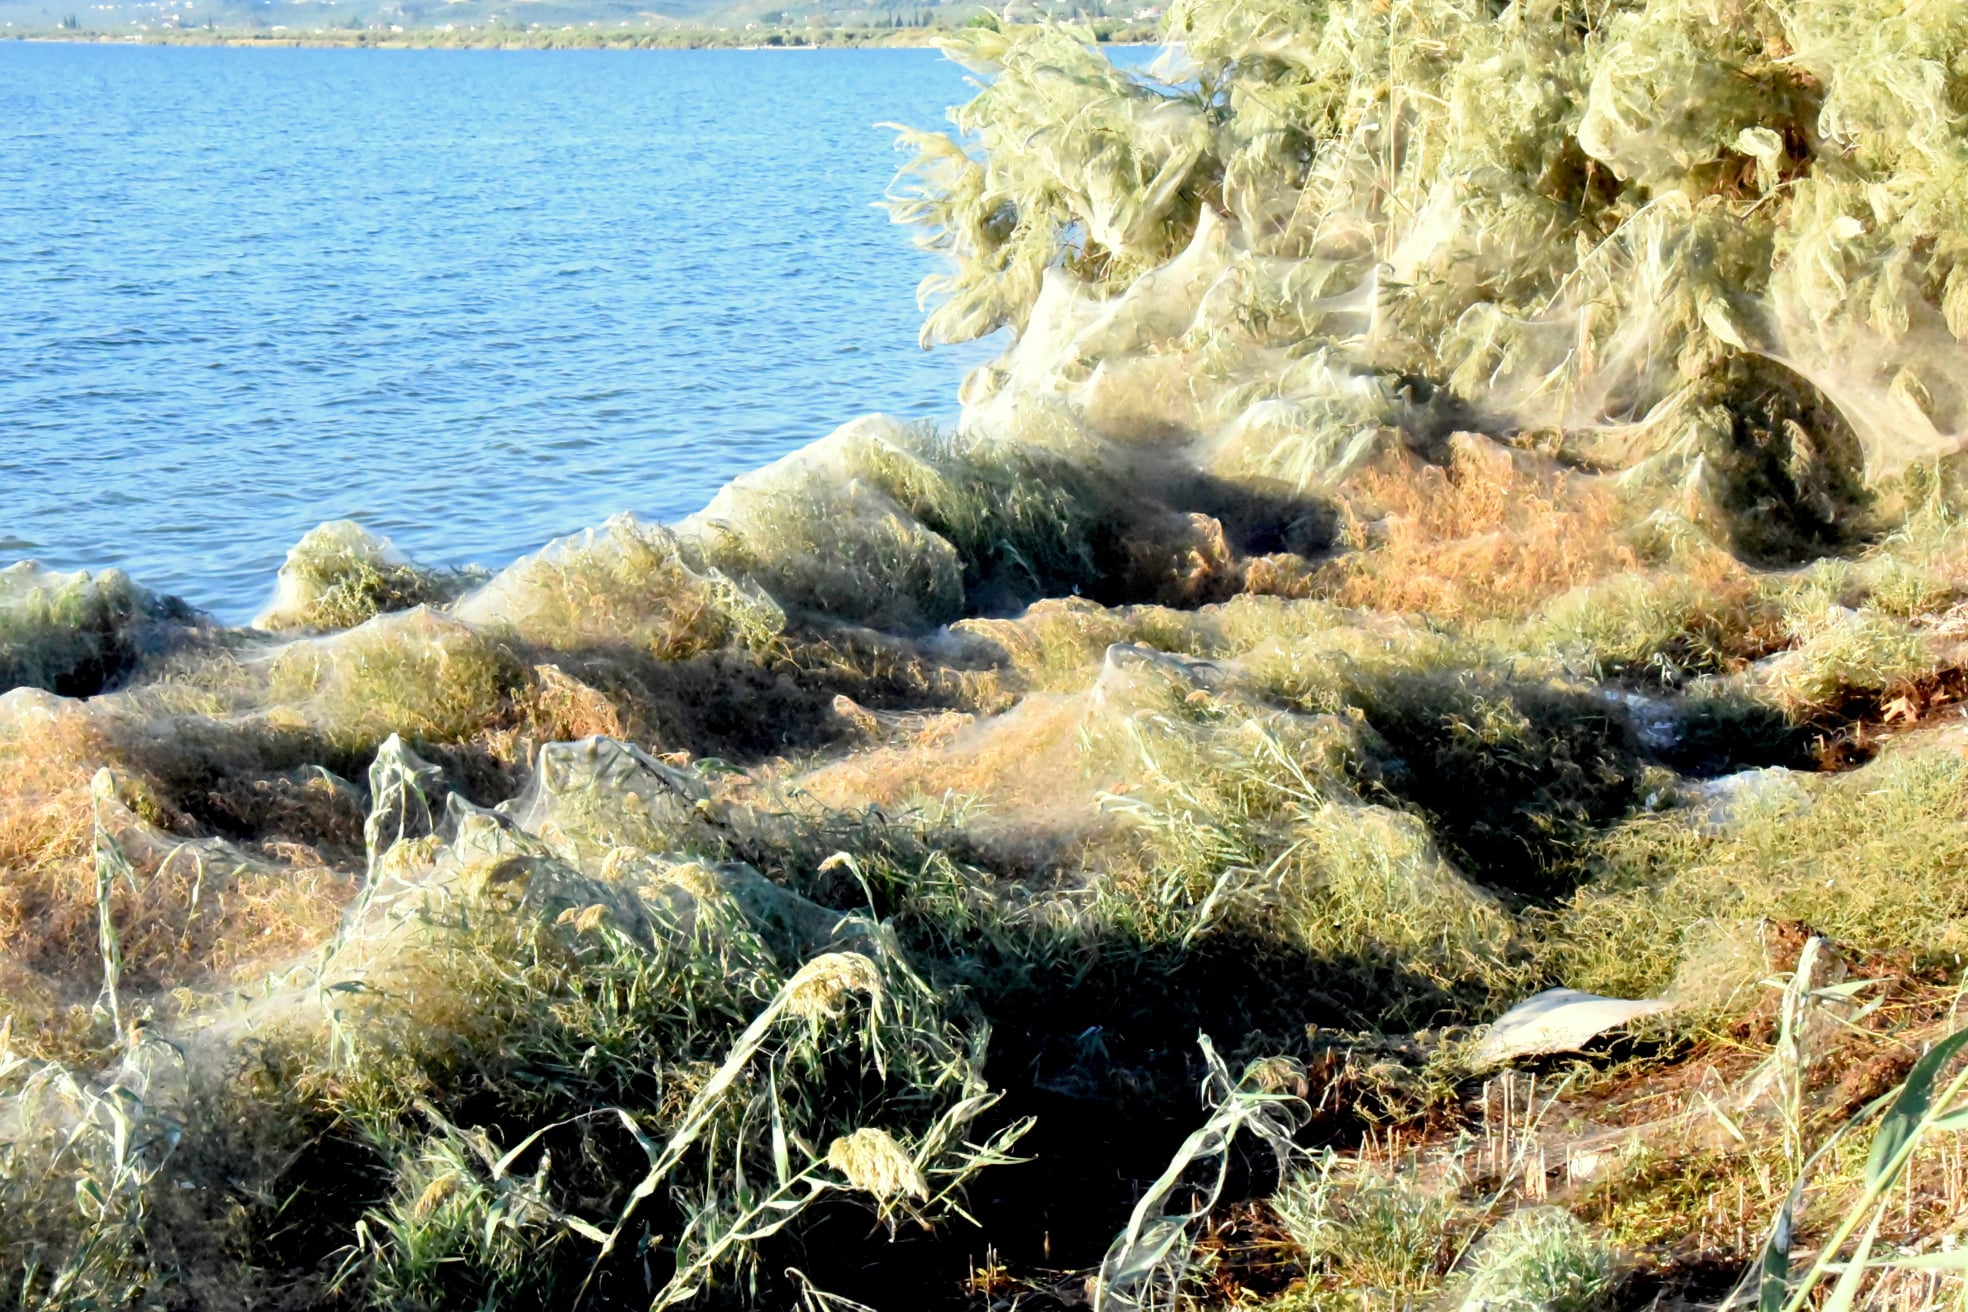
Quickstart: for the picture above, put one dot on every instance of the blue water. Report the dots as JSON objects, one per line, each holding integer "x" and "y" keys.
{"x": 471, "y": 299}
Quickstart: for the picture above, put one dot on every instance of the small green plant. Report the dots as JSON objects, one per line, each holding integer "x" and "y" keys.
{"x": 76, "y": 1182}
{"x": 1361, "y": 1229}
{"x": 1540, "y": 1260}
{"x": 626, "y": 583}
{"x": 430, "y": 677}
{"x": 1927, "y": 1103}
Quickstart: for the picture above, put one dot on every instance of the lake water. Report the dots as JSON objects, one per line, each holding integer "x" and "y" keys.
{"x": 473, "y": 300}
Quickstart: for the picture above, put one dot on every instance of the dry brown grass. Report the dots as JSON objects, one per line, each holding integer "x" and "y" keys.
{"x": 1023, "y": 773}
{"x": 1492, "y": 534}
{"x": 1055, "y": 645}
{"x": 554, "y": 706}
{"x": 198, "y": 913}
{"x": 44, "y": 846}
{"x": 47, "y": 758}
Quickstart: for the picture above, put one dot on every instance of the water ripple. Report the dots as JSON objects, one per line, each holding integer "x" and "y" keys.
{"x": 475, "y": 299}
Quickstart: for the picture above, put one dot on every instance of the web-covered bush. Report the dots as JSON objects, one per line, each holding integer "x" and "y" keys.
{"x": 1717, "y": 243}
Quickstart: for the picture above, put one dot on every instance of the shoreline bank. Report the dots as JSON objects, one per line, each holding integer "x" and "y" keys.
{"x": 560, "y": 39}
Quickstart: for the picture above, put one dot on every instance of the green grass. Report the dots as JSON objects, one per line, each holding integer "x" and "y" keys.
{"x": 420, "y": 674}
{"x": 77, "y": 633}
{"x": 1368, "y": 1230}
{"x": 1539, "y": 1261}
{"x": 1865, "y": 858}
{"x": 339, "y": 575}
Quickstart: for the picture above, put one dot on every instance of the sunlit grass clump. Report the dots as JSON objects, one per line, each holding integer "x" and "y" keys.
{"x": 340, "y": 574}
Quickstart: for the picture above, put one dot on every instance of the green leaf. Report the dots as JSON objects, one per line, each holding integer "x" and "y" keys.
{"x": 584, "y": 1229}
{"x": 1955, "y": 1260}
{"x": 504, "y": 1164}
{"x": 1773, "y": 1274}
{"x": 1846, "y": 989}
{"x": 634, "y": 1127}
{"x": 1847, "y": 1288}
{"x": 1902, "y": 1121}
{"x": 782, "y": 1163}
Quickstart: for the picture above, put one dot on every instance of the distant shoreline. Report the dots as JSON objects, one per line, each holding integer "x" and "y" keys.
{"x": 556, "y": 39}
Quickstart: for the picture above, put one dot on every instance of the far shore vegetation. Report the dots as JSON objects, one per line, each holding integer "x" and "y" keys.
{"x": 902, "y": 29}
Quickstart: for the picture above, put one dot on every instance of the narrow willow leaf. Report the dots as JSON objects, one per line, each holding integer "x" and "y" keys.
{"x": 504, "y": 1164}
{"x": 586, "y": 1230}
{"x": 1773, "y": 1274}
{"x": 1953, "y": 1260}
{"x": 1903, "y": 1120}
{"x": 782, "y": 1163}
{"x": 1847, "y": 1288}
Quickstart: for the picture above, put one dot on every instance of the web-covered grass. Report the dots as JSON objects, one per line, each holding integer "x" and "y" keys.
{"x": 1471, "y": 508}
